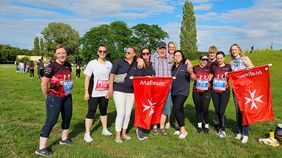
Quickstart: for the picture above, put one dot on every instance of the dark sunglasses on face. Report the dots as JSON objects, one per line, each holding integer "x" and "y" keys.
{"x": 205, "y": 59}
{"x": 128, "y": 53}
{"x": 102, "y": 51}
{"x": 145, "y": 53}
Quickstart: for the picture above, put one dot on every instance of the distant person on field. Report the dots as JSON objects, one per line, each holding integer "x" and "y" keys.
{"x": 238, "y": 62}
{"x": 31, "y": 69}
{"x": 252, "y": 49}
{"x": 40, "y": 68}
{"x": 58, "y": 99}
{"x": 17, "y": 66}
{"x": 77, "y": 71}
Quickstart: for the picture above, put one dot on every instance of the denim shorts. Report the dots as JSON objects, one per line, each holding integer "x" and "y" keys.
{"x": 167, "y": 107}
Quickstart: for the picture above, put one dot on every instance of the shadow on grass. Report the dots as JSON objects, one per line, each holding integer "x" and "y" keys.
{"x": 190, "y": 114}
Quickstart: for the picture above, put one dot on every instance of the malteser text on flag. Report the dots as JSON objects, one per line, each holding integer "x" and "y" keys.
{"x": 253, "y": 93}
{"x": 150, "y": 96}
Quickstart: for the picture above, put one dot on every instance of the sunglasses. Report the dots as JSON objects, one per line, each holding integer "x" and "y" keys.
{"x": 145, "y": 53}
{"x": 205, "y": 59}
{"x": 102, "y": 51}
{"x": 128, "y": 53}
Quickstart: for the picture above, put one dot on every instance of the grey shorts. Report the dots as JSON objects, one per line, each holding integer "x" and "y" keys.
{"x": 167, "y": 106}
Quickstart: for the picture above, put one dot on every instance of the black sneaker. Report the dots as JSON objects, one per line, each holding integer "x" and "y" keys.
{"x": 140, "y": 134}
{"x": 199, "y": 130}
{"x": 206, "y": 130}
{"x": 43, "y": 152}
{"x": 67, "y": 141}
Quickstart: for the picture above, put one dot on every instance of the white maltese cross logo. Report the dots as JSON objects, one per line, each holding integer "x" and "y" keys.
{"x": 149, "y": 107}
{"x": 253, "y": 99}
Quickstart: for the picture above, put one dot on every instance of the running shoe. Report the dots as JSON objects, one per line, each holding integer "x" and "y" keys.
{"x": 43, "y": 152}
{"x": 106, "y": 132}
{"x": 245, "y": 139}
{"x": 67, "y": 141}
{"x": 238, "y": 136}
{"x": 87, "y": 138}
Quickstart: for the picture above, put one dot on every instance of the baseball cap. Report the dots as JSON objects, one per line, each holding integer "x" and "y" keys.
{"x": 162, "y": 44}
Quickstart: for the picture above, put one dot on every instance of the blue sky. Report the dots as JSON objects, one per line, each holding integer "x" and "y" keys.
{"x": 221, "y": 23}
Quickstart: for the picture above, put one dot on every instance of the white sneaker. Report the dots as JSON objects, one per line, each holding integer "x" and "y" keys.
{"x": 176, "y": 132}
{"x": 238, "y": 136}
{"x": 87, "y": 138}
{"x": 222, "y": 134}
{"x": 183, "y": 136}
{"x": 167, "y": 125}
{"x": 245, "y": 139}
{"x": 106, "y": 132}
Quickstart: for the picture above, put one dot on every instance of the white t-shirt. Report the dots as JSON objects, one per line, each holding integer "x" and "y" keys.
{"x": 101, "y": 76}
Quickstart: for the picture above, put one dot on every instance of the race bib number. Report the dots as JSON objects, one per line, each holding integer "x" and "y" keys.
{"x": 68, "y": 85}
{"x": 102, "y": 85}
{"x": 219, "y": 84}
{"x": 202, "y": 84}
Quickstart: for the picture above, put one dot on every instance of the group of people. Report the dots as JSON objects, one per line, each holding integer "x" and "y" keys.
{"x": 104, "y": 80}
{"x": 28, "y": 66}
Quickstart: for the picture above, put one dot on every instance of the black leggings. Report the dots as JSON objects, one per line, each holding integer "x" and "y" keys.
{"x": 54, "y": 106}
{"x": 178, "y": 108}
{"x": 202, "y": 102}
{"x": 220, "y": 101}
{"x": 31, "y": 72}
{"x": 93, "y": 102}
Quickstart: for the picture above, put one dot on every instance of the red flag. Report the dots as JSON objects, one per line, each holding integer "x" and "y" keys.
{"x": 150, "y": 95}
{"x": 253, "y": 94}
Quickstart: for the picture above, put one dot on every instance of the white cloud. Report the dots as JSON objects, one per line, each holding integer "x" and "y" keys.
{"x": 202, "y": 7}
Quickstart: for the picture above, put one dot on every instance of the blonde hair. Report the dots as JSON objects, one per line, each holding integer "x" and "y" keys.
{"x": 213, "y": 49}
{"x": 240, "y": 50}
{"x": 171, "y": 42}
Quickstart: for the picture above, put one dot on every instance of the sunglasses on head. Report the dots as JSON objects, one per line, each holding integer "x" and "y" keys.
{"x": 102, "y": 51}
{"x": 145, "y": 53}
{"x": 205, "y": 59}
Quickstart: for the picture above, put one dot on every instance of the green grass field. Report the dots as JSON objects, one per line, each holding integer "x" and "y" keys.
{"x": 22, "y": 114}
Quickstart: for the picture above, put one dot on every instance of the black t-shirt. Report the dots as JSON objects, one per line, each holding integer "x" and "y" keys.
{"x": 180, "y": 85}
{"x": 149, "y": 71}
{"x": 121, "y": 66}
{"x": 58, "y": 74}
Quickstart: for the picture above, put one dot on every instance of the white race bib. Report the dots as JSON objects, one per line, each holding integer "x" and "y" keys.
{"x": 68, "y": 85}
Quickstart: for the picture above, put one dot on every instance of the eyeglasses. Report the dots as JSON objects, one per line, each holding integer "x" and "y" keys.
{"x": 145, "y": 53}
{"x": 102, "y": 51}
{"x": 205, "y": 59}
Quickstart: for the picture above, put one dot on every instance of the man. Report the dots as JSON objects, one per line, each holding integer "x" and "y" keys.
{"x": 162, "y": 63}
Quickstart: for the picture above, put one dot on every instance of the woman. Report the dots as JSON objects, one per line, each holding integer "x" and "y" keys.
{"x": 171, "y": 48}
{"x": 180, "y": 90}
{"x": 147, "y": 71}
{"x": 97, "y": 93}
{"x": 31, "y": 69}
{"x": 122, "y": 87}
{"x": 220, "y": 90}
{"x": 202, "y": 93}
{"x": 239, "y": 62}
{"x": 58, "y": 99}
